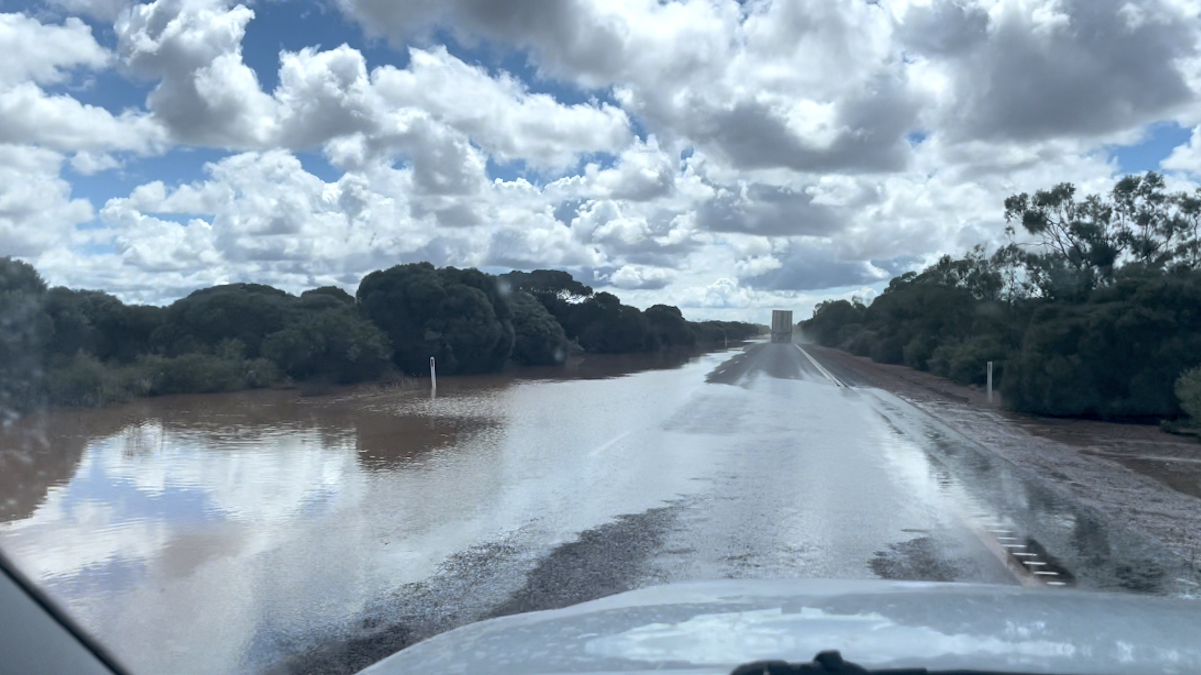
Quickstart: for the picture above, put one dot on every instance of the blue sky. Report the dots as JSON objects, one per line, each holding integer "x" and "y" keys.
{"x": 720, "y": 157}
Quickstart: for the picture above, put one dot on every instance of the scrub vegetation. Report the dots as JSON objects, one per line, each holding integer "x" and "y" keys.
{"x": 1098, "y": 316}
{"x": 60, "y": 346}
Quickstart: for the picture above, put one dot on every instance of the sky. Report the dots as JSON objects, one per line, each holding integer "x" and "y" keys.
{"x": 725, "y": 157}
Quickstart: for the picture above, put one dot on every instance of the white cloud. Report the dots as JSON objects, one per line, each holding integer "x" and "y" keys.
{"x": 37, "y": 212}
{"x": 46, "y": 54}
{"x": 101, "y": 10}
{"x": 639, "y": 276}
{"x": 90, "y": 163}
{"x": 1186, "y": 157}
{"x": 39, "y": 55}
{"x": 698, "y": 152}
{"x": 29, "y": 115}
{"x": 1033, "y": 70}
{"x": 500, "y": 113}
{"x": 206, "y": 94}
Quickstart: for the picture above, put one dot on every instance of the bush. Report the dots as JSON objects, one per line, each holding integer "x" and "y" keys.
{"x": 335, "y": 345}
{"x": 202, "y": 374}
{"x": 85, "y": 381}
{"x": 860, "y": 344}
{"x": 1188, "y": 391}
{"x": 457, "y": 316}
{"x": 538, "y": 338}
{"x": 668, "y": 326}
{"x": 966, "y": 361}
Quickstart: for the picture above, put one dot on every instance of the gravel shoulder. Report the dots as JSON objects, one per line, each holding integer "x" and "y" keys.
{"x": 1137, "y": 477}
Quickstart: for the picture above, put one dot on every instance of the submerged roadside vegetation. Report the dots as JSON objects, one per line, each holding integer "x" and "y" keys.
{"x": 66, "y": 347}
{"x": 1099, "y": 316}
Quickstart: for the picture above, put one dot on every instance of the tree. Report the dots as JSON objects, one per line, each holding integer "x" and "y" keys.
{"x": 830, "y": 320}
{"x": 1080, "y": 241}
{"x": 1188, "y": 391}
{"x": 603, "y": 325}
{"x": 335, "y": 344}
{"x": 448, "y": 314}
{"x": 329, "y": 292}
{"x": 668, "y": 326}
{"x": 555, "y": 283}
{"x": 244, "y": 312}
{"x": 555, "y": 289}
{"x": 326, "y": 297}
{"x": 25, "y": 330}
{"x": 73, "y": 333}
{"x": 539, "y": 340}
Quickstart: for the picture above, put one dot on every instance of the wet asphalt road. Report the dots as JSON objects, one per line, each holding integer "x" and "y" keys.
{"x": 804, "y": 476}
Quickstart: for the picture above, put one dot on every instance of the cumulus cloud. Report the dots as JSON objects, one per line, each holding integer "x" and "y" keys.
{"x": 638, "y": 276}
{"x": 502, "y": 115}
{"x": 809, "y": 265}
{"x": 805, "y": 85}
{"x": 30, "y": 115}
{"x": 101, "y": 10}
{"x": 37, "y": 211}
{"x": 89, "y": 163}
{"x": 767, "y": 210}
{"x": 207, "y": 95}
{"x": 1186, "y": 157}
{"x": 193, "y": 48}
{"x": 39, "y": 55}
{"x": 1041, "y": 69}
{"x": 46, "y": 54}
{"x": 720, "y": 155}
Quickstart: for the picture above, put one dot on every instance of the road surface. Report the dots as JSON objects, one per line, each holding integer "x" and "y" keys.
{"x": 793, "y": 471}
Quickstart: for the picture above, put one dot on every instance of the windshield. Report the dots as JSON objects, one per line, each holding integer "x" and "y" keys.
{"x": 327, "y": 328}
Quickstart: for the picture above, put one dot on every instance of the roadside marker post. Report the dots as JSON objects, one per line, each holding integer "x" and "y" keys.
{"x": 989, "y": 380}
{"x": 433, "y": 376}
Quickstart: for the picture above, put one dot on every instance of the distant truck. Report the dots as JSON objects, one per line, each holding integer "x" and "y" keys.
{"x": 781, "y": 325}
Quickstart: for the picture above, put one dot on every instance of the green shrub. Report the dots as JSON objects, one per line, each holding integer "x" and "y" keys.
{"x": 861, "y": 343}
{"x": 85, "y": 381}
{"x": 201, "y": 374}
{"x": 1188, "y": 390}
{"x": 538, "y": 337}
{"x": 966, "y": 361}
{"x": 336, "y": 345}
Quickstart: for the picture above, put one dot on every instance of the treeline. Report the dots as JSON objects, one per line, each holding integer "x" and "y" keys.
{"x": 1100, "y": 317}
{"x": 60, "y": 346}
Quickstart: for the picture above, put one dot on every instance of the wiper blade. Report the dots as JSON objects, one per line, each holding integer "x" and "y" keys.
{"x": 831, "y": 663}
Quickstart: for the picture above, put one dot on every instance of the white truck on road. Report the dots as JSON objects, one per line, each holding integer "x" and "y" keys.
{"x": 781, "y": 325}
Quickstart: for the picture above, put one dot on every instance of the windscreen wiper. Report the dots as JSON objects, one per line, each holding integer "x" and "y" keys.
{"x": 831, "y": 663}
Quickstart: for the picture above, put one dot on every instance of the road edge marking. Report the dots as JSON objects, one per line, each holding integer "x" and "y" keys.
{"x": 820, "y": 368}
{"x": 613, "y": 441}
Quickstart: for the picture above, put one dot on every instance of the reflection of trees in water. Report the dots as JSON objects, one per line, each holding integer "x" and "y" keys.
{"x": 600, "y": 366}
{"x": 388, "y": 428}
{"x": 44, "y": 450}
{"x": 385, "y": 442}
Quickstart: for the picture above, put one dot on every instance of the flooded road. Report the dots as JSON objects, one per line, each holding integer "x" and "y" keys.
{"x": 264, "y": 532}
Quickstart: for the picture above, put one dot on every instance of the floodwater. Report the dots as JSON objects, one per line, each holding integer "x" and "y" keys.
{"x": 268, "y": 532}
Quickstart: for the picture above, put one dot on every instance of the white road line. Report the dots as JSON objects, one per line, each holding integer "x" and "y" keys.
{"x": 608, "y": 445}
{"x": 819, "y": 367}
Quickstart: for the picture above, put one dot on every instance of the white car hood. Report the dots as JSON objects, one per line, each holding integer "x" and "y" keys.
{"x": 710, "y": 627}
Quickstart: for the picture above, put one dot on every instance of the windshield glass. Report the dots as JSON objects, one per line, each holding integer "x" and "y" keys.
{"x": 329, "y": 327}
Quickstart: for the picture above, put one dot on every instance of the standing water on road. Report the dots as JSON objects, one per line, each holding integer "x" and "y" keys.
{"x": 235, "y": 533}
